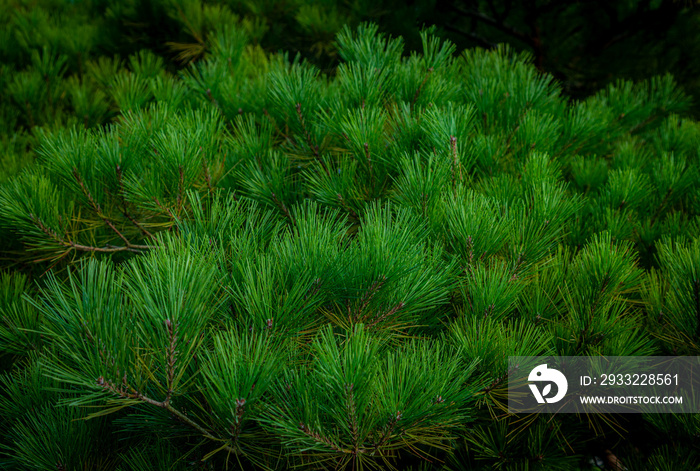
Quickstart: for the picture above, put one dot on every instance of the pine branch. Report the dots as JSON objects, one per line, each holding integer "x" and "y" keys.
{"x": 661, "y": 206}
{"x": 98, "y": 211}
{"x": 207, "y": 175}
{"x": 212, "y": 99}
{"x": 352, "y": 416}
{"x": 309, "y": 140}
{"x": 369, "y": 164}
{"x": 83, "y": 248}
{"x": 237, "y": 427}
{"x": 283, "y": 208}
{"x": 420, "y": 87}
{"x": 165, "y": 209}
{"x": 30, "y": 115}
{"x": 347, "y": 207}
{"x": 386, "y": 315}
{"x": 321, "y": 439}
{"x": 49, "y": 232}
{"x": 96, "y": 207}
{"x": 388, "y": 431}
{"x": 367, "y": 298}
{"x": 127, "y": 392}
{"x": 453, "y": 148}
{"x": 125, "y": 212}
{"x": 171, "y": 357}
{"x": 107, "y": 248}
{"x": 180, "y": 188}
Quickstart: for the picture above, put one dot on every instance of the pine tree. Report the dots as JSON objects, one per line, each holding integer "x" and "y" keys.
{"x": 258, "y": 264}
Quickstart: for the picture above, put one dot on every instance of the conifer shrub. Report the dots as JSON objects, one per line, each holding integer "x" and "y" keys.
{"x": 258, "y": 265}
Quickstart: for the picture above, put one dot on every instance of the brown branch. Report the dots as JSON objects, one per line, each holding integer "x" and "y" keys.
{"x": 369, "y": 164}
{"x": 316, "y": 287}
{"x": 180, "y": 188}
{"x": 390, "y": 426}
{"x": 185, "y": 19}
{"x": 367, "y": 298}
{"x": 207, "y": 176}
{"x": 283, "y": 208}
{"x": 108, "y": 249}
{"x": 518, "y": 264}
{"x": 212, "y": 99}
{"x": 171, "y": 356}
{"x": 30, "y": 115}
{"x": 320, "y": 439}
{"x": 347, "y": 207}
{"x": 83, "y": 248}
{"x": 183, "y": 418}
{"x": 164, "y": 209}
{"x": 127, "y": 392}
{"x": 98, "y": 211}
{"x": 388, "y": 313}
{"x": 125, "y": 212}
{"x": 420, "y": 87}
{"x": 309, "y": 140}
{"x": 495, "y": 384}
{"x": 272, "y": 121}
{"x": 49, "y": 232}
{"x": 96, "y": 207}
{"x": 352, "y": 416}
{"x": 455, "y": 165}
{"x": 240, "y": 410}
{"x": 470, "y": 244}
{"x": 661, "y": 206}
{"x": 582, "y": 340}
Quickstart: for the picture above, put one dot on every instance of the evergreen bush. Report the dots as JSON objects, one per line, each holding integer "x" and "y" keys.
{"x": 253, "y": 263}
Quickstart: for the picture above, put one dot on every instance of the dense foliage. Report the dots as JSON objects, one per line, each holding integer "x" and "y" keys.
{"x": 59, "y": 59}
{"x": 254, "y": 263}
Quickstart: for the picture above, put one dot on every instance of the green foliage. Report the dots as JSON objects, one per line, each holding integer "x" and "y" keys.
{"x": 256, "y": 263}
{"x": 20, "y": 322}
{"x": 42, "y": 435}
{"x": 357, "y": 405}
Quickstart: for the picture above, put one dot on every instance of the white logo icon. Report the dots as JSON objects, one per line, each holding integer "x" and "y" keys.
{"x": 542, "y": 373}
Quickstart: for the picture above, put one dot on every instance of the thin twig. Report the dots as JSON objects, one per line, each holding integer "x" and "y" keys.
{"x": 367, "y": 298}
{"x": 172, "y": 353}
{"x": 352, "y": 416}
{"x": 180, "y": 188}
{"x": 125, "y": 212}
{"x": 96, "y": 207}
{"x": 309, "y": 140}
{"x": 128, "y": 392}
{"x": 84, "y": 248}
{"x": 388, "y": 313}
{"x": 420, "y": 87}
{"x": 320, "y": 439}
